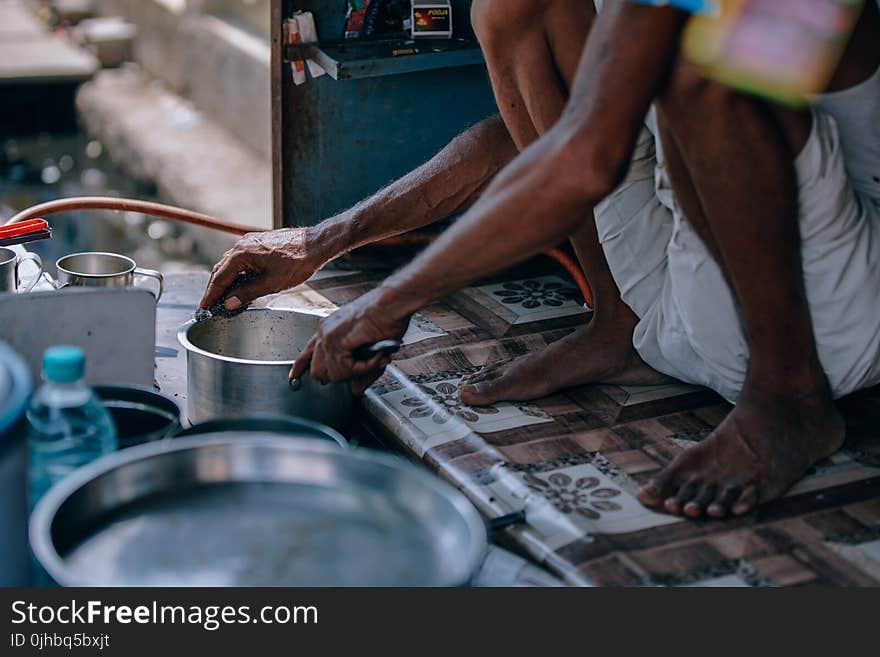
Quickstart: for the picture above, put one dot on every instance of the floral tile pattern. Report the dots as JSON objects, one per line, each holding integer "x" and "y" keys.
{"x": 573, "y": 461}
{"x": 583, "y": 496}
{"x": 440, "y": 402}
{"x": 434, "y": 410}
{"x": 577, "y": 501}
{"x": 532, "y": 294}
{"x": 599, "y": 504}
{"x": 727, "y": 573}
{"x": 533, "y": 299}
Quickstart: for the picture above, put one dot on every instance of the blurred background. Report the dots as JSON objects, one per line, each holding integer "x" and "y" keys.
{"x": 163, "y": 100}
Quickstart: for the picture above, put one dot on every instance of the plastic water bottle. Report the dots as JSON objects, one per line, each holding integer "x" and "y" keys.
{"x": 69, "y": 427}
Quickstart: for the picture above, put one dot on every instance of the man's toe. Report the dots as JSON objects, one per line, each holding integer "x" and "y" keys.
{"x": 697, "y": 506}
{"x": 746, "y": 501}
{"x": 480, "y": 393}
{"x": 488, "y": 372}
{"x": 720, "y": 506}
{"x": 686, "y": 492}
{"x": 655, "y": 492}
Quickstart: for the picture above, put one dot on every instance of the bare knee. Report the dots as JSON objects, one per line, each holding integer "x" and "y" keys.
{"x": 499, "y": 22}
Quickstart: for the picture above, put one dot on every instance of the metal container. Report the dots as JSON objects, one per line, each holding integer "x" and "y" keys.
{"x": 10, "y": 265}
{"x": 97, "y": 269}
{"x": 15, "y": 390}
{"x": 255, "y": 510}
{"x": 278, "y": 424}
{"x": 141, "y": 415}
{"x": 238, "y": 366}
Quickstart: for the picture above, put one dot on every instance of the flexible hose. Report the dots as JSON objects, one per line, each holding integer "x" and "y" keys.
{"x": 207, "y": 221}
{"x": 128, "y": 205}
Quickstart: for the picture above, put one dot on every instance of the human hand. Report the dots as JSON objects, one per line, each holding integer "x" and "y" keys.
{"x": 330, "y": 352}
{"x": 277, "y": 259}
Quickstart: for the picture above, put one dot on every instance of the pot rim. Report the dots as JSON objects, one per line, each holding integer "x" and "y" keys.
{"x": 183, "y": 339}
{"x": 13, "y": 409}
{"x": 12, "y": 255}
{"x": 43, "y": 515}
{"x": 132, "y": 265}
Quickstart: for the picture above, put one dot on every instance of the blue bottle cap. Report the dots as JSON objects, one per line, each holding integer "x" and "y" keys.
{"x": 64, "y": 364}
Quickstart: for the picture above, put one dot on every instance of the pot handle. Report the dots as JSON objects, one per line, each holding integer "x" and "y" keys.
{"x": 152, "y": 273}
{"x": 365, "y": 352}
{"x": 29, "y": 257}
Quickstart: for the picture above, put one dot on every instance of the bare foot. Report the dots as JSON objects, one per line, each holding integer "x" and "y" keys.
{"x": 765, "y": 445}
{"x": 600, "y": 352}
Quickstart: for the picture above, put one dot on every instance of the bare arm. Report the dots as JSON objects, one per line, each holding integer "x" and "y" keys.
{"x": 540, "y": 197}
{"x": 446, "y": 184}
{"x": 534, "y": 203}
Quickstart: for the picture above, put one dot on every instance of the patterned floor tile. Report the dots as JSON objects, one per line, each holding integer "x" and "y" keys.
{"x": 420, "y": 329}
{"x": 302, "y": 299}
{"x": 863, "y": 554}
{"x": 840, "y": 469}
{"x": 436, "y": 412}
{"x": 634, "y": 395}
{"x": 590, "y": 499}
{"x": 725, "y": 581}
{"x": 534, "y": 299}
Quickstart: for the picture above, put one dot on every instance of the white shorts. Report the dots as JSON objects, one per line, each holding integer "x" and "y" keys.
{"x": 690, "y": 326}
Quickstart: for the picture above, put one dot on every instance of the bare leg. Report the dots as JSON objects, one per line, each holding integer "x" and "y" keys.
{"x": 732, "y": 171}
{"x": 532, "y": 60}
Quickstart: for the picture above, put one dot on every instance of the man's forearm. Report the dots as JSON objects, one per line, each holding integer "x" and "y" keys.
{"x": 541, "y": 196}
{"x": 448, "y": 183}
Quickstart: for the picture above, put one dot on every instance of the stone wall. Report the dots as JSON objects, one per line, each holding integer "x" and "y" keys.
{"x": 211, "y": 54}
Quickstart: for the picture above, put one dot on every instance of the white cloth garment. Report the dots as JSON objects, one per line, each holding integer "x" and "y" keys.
{"x": 857, "y": 112}
{"x": 690, "y": 326}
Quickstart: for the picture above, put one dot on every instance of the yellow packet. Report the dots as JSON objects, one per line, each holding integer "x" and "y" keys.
{"x": 786, "y": 50}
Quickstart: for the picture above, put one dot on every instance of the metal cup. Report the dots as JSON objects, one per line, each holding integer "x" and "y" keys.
{"x": 10, "y": 265}
{"x": 95, "y": 269}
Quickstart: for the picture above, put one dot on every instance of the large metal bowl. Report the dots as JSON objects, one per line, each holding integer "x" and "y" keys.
{"x": 255, "y": 510}
{"x": 238, "y": 366}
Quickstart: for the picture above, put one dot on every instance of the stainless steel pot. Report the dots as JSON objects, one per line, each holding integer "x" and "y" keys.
{"x": 10, "y": 264}
{"x": 238, "y": 366}
{"x": 255, "y": 510}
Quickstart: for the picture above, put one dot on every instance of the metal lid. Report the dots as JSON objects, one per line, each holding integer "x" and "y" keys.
{"x": 15, "y": 387}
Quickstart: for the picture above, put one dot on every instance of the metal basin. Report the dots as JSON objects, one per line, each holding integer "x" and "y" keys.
{"x": 15, "y": 390}
{"x": 141, "y": 415}
{"x": 238, "y": 366}
{"x": 255, "y": 510}
{"x": 277, "y": 424}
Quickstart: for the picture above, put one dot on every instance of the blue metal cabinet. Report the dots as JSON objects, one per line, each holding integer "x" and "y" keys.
{"x": 336, "y": 141}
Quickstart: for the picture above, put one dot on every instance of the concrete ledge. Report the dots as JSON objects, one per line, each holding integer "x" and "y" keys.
{"x": 222, "y": 68}
{"x": 161, "y": 138}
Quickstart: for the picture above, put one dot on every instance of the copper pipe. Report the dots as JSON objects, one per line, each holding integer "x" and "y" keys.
{"x": 206, "y": 221}
{"x": 128, "y": 205}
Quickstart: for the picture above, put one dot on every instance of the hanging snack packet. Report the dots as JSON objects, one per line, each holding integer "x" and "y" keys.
{"x": 785, "y": 50}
